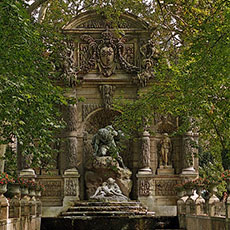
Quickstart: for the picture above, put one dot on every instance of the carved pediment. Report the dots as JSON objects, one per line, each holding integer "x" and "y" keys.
{"x": 99, "y": 49}
{"x": 91, "y": 20}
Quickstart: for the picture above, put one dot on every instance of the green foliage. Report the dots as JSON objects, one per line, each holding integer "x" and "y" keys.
{"x": 28, "y": 100}
{"x": 192, "y": 77}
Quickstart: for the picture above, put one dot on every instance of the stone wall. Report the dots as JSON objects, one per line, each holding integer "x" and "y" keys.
{"x": 195, "y": 213}
{"x": 20, "y": 213}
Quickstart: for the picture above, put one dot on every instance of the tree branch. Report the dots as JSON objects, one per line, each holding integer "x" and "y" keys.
{"x": 35, "y": 5}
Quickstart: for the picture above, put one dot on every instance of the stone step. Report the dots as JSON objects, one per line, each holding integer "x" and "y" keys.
{"x": 106, "y": 213}
{"x": 96, "y": 203}
{"x": 104, "y": 208}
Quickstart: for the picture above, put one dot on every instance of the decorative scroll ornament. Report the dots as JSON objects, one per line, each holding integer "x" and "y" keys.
{"x": 105, "y": 53}
{"x": 69, "y": 65}
{"x": 150, "y": 56}
{"x": 107, "y": 92}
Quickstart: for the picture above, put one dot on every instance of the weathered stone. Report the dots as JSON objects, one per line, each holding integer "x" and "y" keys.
{"x": 101, "y": 168}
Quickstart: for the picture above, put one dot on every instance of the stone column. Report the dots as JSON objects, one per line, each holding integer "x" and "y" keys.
{"x": 189, "y": 152}
{"x": 71, "y": 186}
{"x": 2, "y": 154}
{"x": 70, "y": 144}
{"x": 145, "y": 154}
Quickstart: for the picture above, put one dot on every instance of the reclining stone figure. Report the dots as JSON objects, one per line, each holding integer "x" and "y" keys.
{"x": 109, "y": 191}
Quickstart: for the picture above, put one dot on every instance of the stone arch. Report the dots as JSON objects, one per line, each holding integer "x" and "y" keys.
{"x": 97, "y": 119}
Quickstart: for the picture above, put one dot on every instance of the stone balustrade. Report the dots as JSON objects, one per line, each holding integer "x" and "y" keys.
{"x": 20, "y": 213}
{"x": 195, "y": 213}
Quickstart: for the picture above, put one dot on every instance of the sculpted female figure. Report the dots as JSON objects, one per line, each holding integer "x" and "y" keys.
{"x": 165, "y": 150}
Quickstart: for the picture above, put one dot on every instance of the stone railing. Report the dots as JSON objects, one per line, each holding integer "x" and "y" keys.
{"x": 20, "y": 213}
{"x": 196, "y": 213}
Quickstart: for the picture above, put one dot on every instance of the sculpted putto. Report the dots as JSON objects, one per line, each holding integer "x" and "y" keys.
{"x": 104, "y": 143}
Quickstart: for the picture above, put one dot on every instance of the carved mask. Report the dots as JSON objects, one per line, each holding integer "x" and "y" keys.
{"x": 107, "y": 55}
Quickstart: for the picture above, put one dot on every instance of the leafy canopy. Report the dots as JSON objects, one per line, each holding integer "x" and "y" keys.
{"x": 28, "y": 99}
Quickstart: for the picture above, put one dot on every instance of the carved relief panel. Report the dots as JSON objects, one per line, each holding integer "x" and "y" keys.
{"x": 165, "y": 187}
{"x": 144, "y": 187}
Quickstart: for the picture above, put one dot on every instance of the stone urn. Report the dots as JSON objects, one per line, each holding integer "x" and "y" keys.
{"x": 213, "y": 188}
{"x": 24, "y": 191}
{"x": 180, "y": 193}
{"x": 189, "y": 191}
{"x": 32, "y": 192}
{"x": 13, "y": 189}
{"x": 3, "y": 189}
{"x": 38, "y": 193}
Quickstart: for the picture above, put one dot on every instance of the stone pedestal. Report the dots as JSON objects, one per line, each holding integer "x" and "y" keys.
{"x": 189, "y": 171}
{"x": 189, "y": 174}
{"x": 211, "y": 204}
{"x": 145, "y": 171}
{"x": 15, "y": 207}
{"x": 25, "y": 208}
{"x": 165, "y": 170}
{"x": 71, "y": 186}
{"x": 27, "y": 173}
{"x": 4, "y": 208}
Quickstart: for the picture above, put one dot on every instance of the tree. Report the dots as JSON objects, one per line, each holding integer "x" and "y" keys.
{"x": 191, "y": 77}
{"x": 196, "y": 83}
{"x": 28, "y": 99}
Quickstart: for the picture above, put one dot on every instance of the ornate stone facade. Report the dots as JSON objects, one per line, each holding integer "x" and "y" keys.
{"x": 101, "y": 66}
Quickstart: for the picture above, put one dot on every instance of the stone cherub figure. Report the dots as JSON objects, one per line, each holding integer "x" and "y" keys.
{"x": 104, "y": 143}
{"x": 109, "y": 191}
{"x": 165, "y": 150}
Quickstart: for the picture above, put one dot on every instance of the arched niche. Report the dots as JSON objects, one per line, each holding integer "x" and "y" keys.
{"x": 94, "y": 121}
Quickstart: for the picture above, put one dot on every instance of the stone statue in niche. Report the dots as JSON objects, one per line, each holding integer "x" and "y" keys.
{"x": 107, "y": 92}
{"x": 150, "y": 56}
{"x": 105, "y": 143}
{"x": 109, "y": 191}
{"x": 165, "y": 150}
